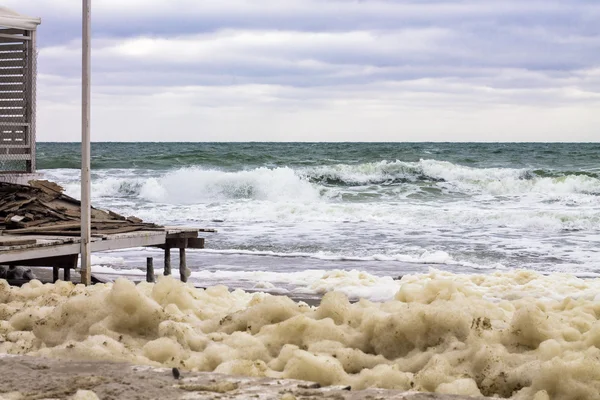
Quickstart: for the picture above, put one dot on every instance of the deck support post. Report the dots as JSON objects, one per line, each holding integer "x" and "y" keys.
{"x": 67, "y": 273}
{"x": 182, "y": 265}
{"x": 167, "y": 270}
{"x": 55, "y": 270}
{"x": 149, "y": 270}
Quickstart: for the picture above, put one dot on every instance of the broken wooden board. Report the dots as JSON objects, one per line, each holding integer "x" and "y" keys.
{"x": 43, "y": 209}
{"x": 47, "y": 187}
{"x": 16, "y": 242}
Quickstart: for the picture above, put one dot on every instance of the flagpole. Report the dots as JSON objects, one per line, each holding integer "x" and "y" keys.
{"x": 85, "y": 146}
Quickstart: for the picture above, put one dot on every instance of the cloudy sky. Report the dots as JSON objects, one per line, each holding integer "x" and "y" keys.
{"x": 322, "y": 70}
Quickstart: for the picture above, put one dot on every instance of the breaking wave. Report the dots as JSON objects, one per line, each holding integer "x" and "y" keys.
{"x": 311, "y": 184}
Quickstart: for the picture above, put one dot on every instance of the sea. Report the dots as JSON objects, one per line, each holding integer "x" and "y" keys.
{"x": 306, "y": 218}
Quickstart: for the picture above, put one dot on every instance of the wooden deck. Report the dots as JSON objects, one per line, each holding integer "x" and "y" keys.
{"x": 63, "y": 251}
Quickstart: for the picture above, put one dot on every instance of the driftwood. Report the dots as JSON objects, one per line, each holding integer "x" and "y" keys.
{"x": 43, "y": 209}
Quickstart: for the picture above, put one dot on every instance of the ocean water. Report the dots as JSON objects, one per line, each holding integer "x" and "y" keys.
{"x": 309, "y": 217}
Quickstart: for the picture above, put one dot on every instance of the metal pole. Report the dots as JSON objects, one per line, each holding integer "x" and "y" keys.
{"x": 85, "y": 145}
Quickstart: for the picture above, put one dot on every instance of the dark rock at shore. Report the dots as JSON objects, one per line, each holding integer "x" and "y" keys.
{"x": 16, "y": 273}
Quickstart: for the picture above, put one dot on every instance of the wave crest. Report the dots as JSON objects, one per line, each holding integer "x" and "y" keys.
{"x": 198, "y": 185}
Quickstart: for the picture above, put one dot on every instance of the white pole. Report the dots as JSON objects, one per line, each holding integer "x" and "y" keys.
{"x": 85, "y": 146}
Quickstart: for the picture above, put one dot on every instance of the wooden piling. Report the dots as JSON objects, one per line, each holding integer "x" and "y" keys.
{"x": 67, "y": 273}
{"x": 182, "y": 265}
{"x": 55, "y": 274}
{"x": 149, "y": 270}
{"x": 167, "y": 270}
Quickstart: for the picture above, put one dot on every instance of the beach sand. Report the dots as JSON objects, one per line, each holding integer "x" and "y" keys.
{"x": 41, "y": 378}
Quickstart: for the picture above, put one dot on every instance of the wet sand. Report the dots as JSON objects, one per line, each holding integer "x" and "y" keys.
{"x": 41, "y": 378}
{"x": 45, "y": 275}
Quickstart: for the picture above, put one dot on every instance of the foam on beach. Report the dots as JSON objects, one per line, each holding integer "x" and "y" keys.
{"x": 512, "y": 334}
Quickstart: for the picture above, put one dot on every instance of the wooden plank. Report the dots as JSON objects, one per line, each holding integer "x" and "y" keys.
{"x": 42, "y": 239}
{"x": 39, "y": 252}
{"x": 13, "y": 47}
{"x": 159, "y": 237}
{"x": 8, "y": 110}
{"x": 51, "y": 232}
{"x": 37, "y": 229}
{"x": 12, "y": 102}
{"x": 12, "y": 79}
{"x": 16, "y": 242}
{"x": 15, "y": 87}
{"x": 5, "y": 62}
{"x": 47, "y": 186}
{"x": 11, "y": 119}
{"x": 12, "y": 70}
{"x": 13, "y": 31}
{"x": 13, "y": 38}
{"x": 15, "y": 205}
{"x": 14, "y": 137}
{"x": 61, "y": 261}
{"x": 12, "y": 96}
{"x": 72, "y": 246}
{"x": 181, "y": 234}
{"x": 114, "y": 243}
{"x": 12, "y": 127}
{"x": 40, "y": 243}
{"x": 182, "y": 243}
{"x": 176, "y": 243}
{"x": 125, "y": 229}
{"x": 115, "y": 215}
{"x": 12, "y": 115}
{"x": 12, "y": 50}
{"x": 195, "y": 243}
{"x": 181, "y": 229}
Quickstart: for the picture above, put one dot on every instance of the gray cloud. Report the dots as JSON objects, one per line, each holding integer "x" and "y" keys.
{"x": 386, "y": 60}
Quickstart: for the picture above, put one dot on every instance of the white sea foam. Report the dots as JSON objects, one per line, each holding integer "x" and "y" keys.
{"x": 515, "y": 335}
{"x": 198, "y": 185}
{"x": 353, "y": 283}
{"x": 495, "y": 181}
{"x": 437, "y": 257}
{"x": 473, "y": 210}
{"x": 106, "y": 269}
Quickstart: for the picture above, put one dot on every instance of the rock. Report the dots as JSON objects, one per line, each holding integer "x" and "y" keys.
{"x": 16, "y": 272}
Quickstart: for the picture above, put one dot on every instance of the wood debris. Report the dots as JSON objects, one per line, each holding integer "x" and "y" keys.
{"x": 43, "y": 209}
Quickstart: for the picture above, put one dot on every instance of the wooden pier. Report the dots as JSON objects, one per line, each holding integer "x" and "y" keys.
{"x": 63, "y": 251}
{"x": 40, "y": 227}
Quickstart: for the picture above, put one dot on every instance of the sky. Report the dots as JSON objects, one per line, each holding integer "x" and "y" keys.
{"x": 322, "y": 70}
